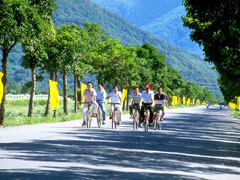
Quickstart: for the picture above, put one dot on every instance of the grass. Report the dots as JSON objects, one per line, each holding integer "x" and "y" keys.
{"x": 235, "y": 113}
{"x": 17, "y": 110}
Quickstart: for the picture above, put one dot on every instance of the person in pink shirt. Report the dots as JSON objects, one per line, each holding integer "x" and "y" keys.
{"x": 89, "y": 96}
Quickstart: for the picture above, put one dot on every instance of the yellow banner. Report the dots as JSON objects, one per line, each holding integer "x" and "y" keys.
{"x": 198, "y": 101}
{"x": 83, "y": 87}
{"x": 54, "y": 95}
{"x": 193, "y": 101}
{"x": 238, "y": 103}
{"x": 184, "y": 100}
{"x": 1, "y": 87}
{"x": 233, "y": 105}
{"x": 124, "y": 94}
{"x": 178, "y": 100}
{"x": 188, "y": 101}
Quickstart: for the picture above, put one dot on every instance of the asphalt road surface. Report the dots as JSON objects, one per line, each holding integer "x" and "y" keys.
{"x": 194, "y": 143}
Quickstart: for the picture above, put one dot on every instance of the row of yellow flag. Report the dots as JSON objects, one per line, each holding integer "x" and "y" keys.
{"x": 177, "y": 101}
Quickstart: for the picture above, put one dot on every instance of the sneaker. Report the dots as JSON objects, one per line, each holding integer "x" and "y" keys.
{"x": 103, "y": 123}
{"x": 118, "y": 123}
{"x": 110, "y": 117}
{"x": 84, "y": 123}
{"x": 161, "y": 119}
{"x": 140, "y": 125}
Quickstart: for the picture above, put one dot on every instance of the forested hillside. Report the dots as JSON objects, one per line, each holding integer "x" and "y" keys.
{"x": 159, "y": 17}
{"x": 190, "y": 66}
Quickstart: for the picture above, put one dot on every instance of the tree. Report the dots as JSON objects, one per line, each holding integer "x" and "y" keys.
{"x": 13, "y": 87}
{"x": 18, "y": 20}
{"x": 216, "y": 26}
{"x": 33, "y": 46}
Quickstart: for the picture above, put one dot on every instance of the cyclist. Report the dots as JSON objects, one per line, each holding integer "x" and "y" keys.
{"x": 116, "y": 97}
{"x": 89, "y": 96}
{"x": 101, "y": 95}
{"x": 135, "y": 101}
{"x": 160, "y": 99}
{"x": 147, "y": 100}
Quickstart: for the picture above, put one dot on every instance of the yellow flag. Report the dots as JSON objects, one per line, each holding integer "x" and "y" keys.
{"x": 184, "y": 100}
{"x": 193, "y": 101}
{"x": 178, "y": 100}
{"x": 238, "y": 103}
{"x": 173, "y": 101}
{"x": 188, "y": 101}
{"x": 54, "y": 95}
{"x": 198, "y": 101}
{"x": 1, "y": 87}
{"x": 124, "y": 94}
{"x": 83, "y": 87}
{"x": 233, "y": 105}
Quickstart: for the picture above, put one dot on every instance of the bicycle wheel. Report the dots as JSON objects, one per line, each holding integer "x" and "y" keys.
{"x": 89, "y": 120}
{"x": 135, "y": 121}
{"x": 156, "y": 122}
{"x": 99, "y": 120}
{"x": 146, "y": 123}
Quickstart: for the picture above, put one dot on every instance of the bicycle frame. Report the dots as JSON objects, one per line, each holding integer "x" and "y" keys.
{"x": 135, "y": 117}
{"x": 146, "y": 117}
{"x": 114, "y": 115}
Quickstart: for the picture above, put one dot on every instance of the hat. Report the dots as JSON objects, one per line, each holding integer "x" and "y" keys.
{"x": 147, "y": 86}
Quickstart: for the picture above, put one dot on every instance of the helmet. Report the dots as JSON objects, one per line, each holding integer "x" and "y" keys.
{"x": 147, "y": 86}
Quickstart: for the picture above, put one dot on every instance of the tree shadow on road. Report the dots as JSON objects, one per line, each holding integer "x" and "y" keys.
{"x": 188, "y": 148}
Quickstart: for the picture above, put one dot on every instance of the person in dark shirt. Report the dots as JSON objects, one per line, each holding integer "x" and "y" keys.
{"x": 160, "y": 100}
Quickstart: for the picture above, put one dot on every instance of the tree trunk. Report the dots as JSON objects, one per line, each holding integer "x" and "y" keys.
{"x": 33, "y": 88}
{"x": 4, "y": 82}
{"x": 79, "y": 94}
{"x": 75, "y": 94}
{"x": 48, "y": 101}
{"x": 65, "y": 93}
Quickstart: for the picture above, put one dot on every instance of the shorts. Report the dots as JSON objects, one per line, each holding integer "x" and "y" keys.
{"x": 158, "y": 107}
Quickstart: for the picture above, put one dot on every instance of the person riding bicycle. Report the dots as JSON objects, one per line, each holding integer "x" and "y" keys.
{"x": 147, "y": 101}
{"x": 116, "y": 98}
{"x": 89, "y": 96}
{"x": 101, "y": 95}
{"x": 160, "y": 100}
{"x": 135, "y": 101}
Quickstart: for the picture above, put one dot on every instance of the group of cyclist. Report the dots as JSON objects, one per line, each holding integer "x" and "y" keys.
{"x": 139, "y": 101}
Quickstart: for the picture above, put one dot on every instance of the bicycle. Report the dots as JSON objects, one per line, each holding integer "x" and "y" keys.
{"x": 114, "y": 115}
{"x": 158, "y": 121}
{"x": 89, "y": 115}
{"x": 135, "y": 116}
{"x": 99, "y": 117}
{"x": 146, "y": 116}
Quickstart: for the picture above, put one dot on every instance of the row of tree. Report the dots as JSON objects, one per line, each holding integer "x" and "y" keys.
{"x": 80, "y": 50}
{"x": 216, "y": 26}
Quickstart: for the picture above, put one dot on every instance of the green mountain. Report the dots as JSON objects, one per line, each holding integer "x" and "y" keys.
{"x": 191, "y": 66}
{"x": 159, "y": 17}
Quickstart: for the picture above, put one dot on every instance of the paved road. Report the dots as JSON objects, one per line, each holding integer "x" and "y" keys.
{"x": 195, "y": 143}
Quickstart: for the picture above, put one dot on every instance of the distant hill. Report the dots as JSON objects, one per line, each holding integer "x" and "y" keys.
{"x": 191, "y": 66}
{"x": 159, "y": 17}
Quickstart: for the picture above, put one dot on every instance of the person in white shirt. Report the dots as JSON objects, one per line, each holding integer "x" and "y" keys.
{"x": 101, "y": 95}
{"x": 89, "y": 96}
{"x": 116, "y": 98}
{"x": 147, "y": 100}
